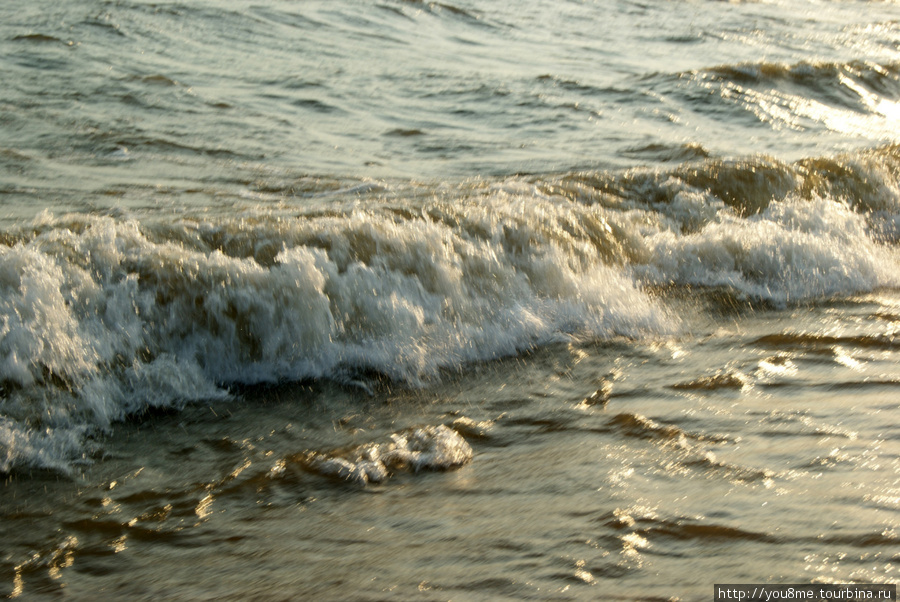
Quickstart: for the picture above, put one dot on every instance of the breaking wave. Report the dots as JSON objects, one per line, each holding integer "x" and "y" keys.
{"x": 104, "y": 317}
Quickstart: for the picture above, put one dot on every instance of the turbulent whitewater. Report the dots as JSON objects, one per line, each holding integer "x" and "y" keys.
{"x": 107, "y": 316}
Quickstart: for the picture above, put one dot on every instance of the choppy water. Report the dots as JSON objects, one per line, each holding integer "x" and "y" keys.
{"x": 350, "y": 300}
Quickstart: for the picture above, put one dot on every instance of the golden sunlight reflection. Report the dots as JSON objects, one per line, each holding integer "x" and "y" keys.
{"x": 204, "y": 508}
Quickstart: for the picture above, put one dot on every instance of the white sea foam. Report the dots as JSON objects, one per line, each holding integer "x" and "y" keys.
{"x": 46, "y": 448}
{"x": 795, "y": 250}
{"x": 102, "y": 318}
{"x": 426, "y": 448}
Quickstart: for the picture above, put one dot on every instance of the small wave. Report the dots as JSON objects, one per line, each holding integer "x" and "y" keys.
{"x": 706, "y": 532}
{"x": 689, "y": 450}
{"x": 885, "y": 78}
{"x": 636, "y": 425}
{"x": 761, "y": 228}
{"x": 103, "y": 317}
{"x": 854, "y": 98}
{"x": 668, "y": 153}
{"x": 426, "y": 448}
{"x": 869, "y": 181}
{"x": 887, "y": 537}
{"x": 654, "y": 527}
{"x": 708, "y": 464}
{"x": 720, "y": 380}
{"x": 806, "y": 341}
{"x": 568, "y": 84}
{"x": 864, "y": 384}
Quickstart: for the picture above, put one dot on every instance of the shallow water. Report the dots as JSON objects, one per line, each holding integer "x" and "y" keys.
{"x": 761, "y": 447}
{"x": 580, "y": 300}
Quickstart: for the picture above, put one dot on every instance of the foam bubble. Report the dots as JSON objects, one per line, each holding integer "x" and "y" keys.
{"x": 426, "y": 448}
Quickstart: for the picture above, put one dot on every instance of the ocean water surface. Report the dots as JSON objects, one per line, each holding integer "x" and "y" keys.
{"x": 473, "y": 300}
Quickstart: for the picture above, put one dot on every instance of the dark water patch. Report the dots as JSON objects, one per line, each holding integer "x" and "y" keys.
{"x": 536, "y": 424}
{"x": 614, "y": 571}
{"x": 876, "y": 383}
{"x": 315, "y": 105}
{"x": 508, "y": 404}
{"x": 653, "y": 527}
{"x": 149, "y": 496}
{"x": 639, "y": 393}
{"x": 38, "y": 38}
{"x": 297, "y": 83}
{"x": 684, "y": 531}
{"x": 151, "y": 412}
{"x": 686, "y": 39}
{"x": 404, "y": 133}
{"x": 158, "y": 80}
{"x": 722, "y": 380}
{"x": 862, "y": 540}
{"x": 11, "y": 154}
{"x": 397, "y": 11}
{"x": 809, "y": 342}
{"x": 803, "y": 431}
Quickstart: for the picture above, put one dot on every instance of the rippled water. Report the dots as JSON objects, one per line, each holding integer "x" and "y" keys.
{"x": 353, "y": 300}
